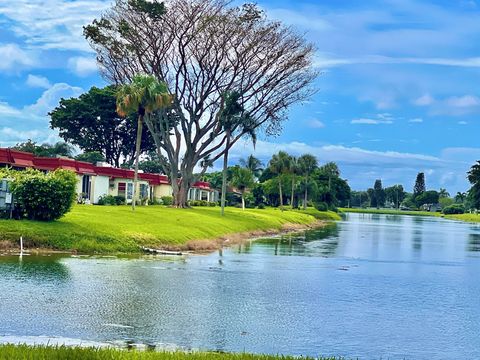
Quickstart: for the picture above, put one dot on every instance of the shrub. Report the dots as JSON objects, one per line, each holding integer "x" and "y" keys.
{"x": 44, "y": 197}
{"x": 454, "y": 209}
{"x": 212, "y": 204}
{"x": 321, "y": 206}
{"x": 167, "y": 200}
{"x": 119, "y": 200}
{"x": 261, "y": 206}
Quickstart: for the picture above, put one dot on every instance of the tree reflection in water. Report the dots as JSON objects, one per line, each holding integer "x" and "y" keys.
{"x": 40, "y": 268}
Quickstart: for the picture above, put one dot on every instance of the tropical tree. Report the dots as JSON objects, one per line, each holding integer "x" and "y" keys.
{"x": 142, "y": 96}
{"x": 293, "y": 171}
{"x": 443, "y": 193}
{"x": 242, "y": 179}
{"x": 232, "y": 119}
{"x": 92, "y": 123}
{"x": 92, "y": 157}
{"x": 460, "y": 197}
{"x": 204, "y": 49}
{"x": 419, "y": 186}
{"x": 379, "y": 193}
{"x": 474, "y": 192}
{"x": 280, "y": 165}
{"x": 254, "y": 164}
{"x": 307, "y": 164}
{"x": 45, "y": 150}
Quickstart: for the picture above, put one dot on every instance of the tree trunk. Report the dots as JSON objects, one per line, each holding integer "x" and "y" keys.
{"x": 224, "y": 178}
{"x": 137, "y": 157}
{"x": 280, "y": 191}
{"x": 305, "y": 200}
{"x": 292, "y": 198}
{"x": 181, "y": 196}
{"x": 243, "y": 201}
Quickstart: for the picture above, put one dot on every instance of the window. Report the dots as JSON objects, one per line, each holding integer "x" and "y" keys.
{"x": 121, "y": 189}
{"x": 129, "y": 191}
{"x": 143, "y": 191}
{"x": 86, "y": 186}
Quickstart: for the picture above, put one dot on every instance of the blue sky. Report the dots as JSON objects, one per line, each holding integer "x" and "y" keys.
{"x": 398, "y": 94}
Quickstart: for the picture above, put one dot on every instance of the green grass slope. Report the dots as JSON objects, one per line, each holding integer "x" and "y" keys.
{"x": 118, "y": 229}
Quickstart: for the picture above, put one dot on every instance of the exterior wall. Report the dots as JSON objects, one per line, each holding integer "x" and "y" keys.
{"x": 100, "y": 187}
{"x": 79, "y": 186}
{"x": 162, "y": 190}
{"x": 128, "y": 192}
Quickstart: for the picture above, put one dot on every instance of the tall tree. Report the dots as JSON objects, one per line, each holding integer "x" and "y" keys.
{"x": 232, "y": 119}
{"x": 242, "y": 179}
{"x": 419, "y": 187}
{"x": 379, "y": 193}
{"x": 293, "y": 171}
{"x": 203, "y": 49}
{"x": 474, "y": 192}
{"x": 253, "y": 164}
{"x": 280, "y": 165}
{"x": 45, "y": 150}
{"x": 92, "y": 123}
{"x": 92, "y": 157}
{"x": 443, "y": 193}
{"x": 307, "y": 164}
{"x": 142, "y": 96}
{"x": 395, "y": 194}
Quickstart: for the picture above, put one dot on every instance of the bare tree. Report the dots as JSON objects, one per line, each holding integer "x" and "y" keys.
{"x": 203, "y": 49}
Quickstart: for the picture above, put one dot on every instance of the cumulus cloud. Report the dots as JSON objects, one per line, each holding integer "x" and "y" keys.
{"x": 416, "y": 120}
{"x": 50, "y": 98}
{"x": 315, "y": 124}
{"x": 83, "y": 66}
{"x": 362, "y": 166}
{"x": 424, "y": 100}
{"x": 13, "y": 58}
{"x": 36, "y": 81}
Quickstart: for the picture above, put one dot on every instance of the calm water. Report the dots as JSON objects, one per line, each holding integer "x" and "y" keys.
{"x": 373, "y": 286}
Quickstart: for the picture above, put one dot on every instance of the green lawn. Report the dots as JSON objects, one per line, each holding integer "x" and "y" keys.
{"x": 67, "y": 353}
{"x": 117, "y": 229}
{"x": 473, "y": 218}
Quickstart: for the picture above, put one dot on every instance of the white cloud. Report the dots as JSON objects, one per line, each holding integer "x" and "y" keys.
{"x": 416, "y": 120}
{"x": 361, "y": 166}
{"x": 16, "y": 135}
{"x": 36, "y": 81}
{"x": 14, "y": 58}
{"x": 50, "y": 98}
{"x": 315, "y": 124}
{"x": 52, "y": 24}
{"x": 424, "y": 100}
{"x": 83, "y": 66}
{"x": 367, "y": 121}
{"x": 463, "y": 101}
{"x": 463, "y": 123}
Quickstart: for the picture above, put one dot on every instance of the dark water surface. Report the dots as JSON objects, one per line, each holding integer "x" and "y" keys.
{"x": 372, "y": 286}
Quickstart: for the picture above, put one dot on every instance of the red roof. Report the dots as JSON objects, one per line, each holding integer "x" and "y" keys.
{"x": 202, "y": 185}
{"x": 23, "y": 159}
{"x": 50, "y": 164}
{"x": 20, "y": 158}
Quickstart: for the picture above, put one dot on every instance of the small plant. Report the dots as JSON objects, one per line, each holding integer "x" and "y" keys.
{"x": 321, "y": 206}
{"x": 261, "y": 206}
{"x": 167, "y": 200}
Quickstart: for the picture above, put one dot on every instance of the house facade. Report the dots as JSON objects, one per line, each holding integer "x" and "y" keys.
{"x": 96, "y": 181}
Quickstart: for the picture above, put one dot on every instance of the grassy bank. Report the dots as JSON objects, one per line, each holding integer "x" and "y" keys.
{"x": 67, "y": 353}
{"x": 473, "y": 218}
{"x": 117, "y": 229}
{"x": 391, "y": 212}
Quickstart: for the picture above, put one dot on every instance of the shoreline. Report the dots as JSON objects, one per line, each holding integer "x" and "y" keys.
{"x": 198, "y": 247}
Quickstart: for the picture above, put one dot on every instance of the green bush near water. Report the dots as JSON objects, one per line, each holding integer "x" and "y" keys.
{"x": 71, "y": 353}
{"x": 40, "y": 196}
{"x": 454, "y": 209}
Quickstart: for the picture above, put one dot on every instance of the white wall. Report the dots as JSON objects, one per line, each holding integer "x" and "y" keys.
{"x": 100, "y": 187}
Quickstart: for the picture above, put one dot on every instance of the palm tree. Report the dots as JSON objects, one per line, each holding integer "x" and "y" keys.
{"x": 460, "y": 197}
{"x": 233, "y": 118}
{"x": 144, "y": 95}
{"x": 443, "y": 193}
{"x": 293, "y": 170}
{"x": 280, "y": 165}
{"x": 242, "y": 179}
{"x": 307, "y": 164}
{"x": 253, "y": 164}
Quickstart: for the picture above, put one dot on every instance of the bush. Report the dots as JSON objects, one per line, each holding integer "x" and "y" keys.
{"x": 119, "y": 200}
{"x": 212, "y": 204}
{"x": 454, "y": 209}
{"x": 44, "y": 197}
{"x": 111, "y": 200}
{"x": 261, "y": 206}
{"x": 167, "y": 200}
{"x": 321, "y": 206}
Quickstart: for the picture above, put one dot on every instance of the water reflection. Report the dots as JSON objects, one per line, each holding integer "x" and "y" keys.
{"x": 474, "y": 243}
{"x": 38, "y": 268}
{"x": 317, "y": 242}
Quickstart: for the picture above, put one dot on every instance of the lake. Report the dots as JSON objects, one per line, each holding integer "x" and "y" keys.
{"x": 371, "y": 286}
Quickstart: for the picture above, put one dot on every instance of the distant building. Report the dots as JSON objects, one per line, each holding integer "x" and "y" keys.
{"x": 95, "y": 181}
